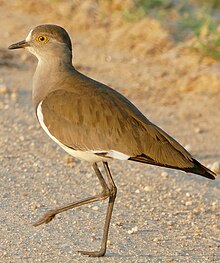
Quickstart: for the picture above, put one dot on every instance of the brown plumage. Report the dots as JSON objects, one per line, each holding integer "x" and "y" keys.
{"x": 93, "y": 122}
{"x": 98, "y": 112}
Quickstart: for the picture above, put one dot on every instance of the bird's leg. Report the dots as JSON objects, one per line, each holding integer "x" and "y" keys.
{"x": 112, "y": 196}
{"x": 47, "y": 217}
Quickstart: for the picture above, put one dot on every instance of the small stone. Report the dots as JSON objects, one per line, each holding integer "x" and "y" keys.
{"x": 216, "y": 167}
{"x": 170, "y": 223}
{"x": 35, "y": 206}
{"x": 209, "y": 165}
{"x": 164, "y": 174}
{"x": 93, "y": 238}
{"x": 118, "y": 224}
{"x": 109, "y": 243}
{"x": 108, "y": 59}
{"x": 89, "y": 175}
{"x": 68, "y": 159}
{"x": 96, "y": 208}
{"x": 188, "y": 147}
{"x": 214, "y": 204}
{"x": 188, "y": 203}
{"x": 133, "y": 230}
{"x": 14, "y": 95}
{"x": 6, "y": 107}
{"x": 190, "y": 217}
{"x": 137, "y": 191}
{"x": 21, "y": 138}
{"x": 156, "y": 239}
{"x": 148, "y": 189}
{"x": 178, "y": 190}
{"x": 3, "y": 89}
{"x": 198, "y": 130}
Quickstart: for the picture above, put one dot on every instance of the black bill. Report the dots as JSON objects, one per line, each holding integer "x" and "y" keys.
{"x": 21, "y": 44}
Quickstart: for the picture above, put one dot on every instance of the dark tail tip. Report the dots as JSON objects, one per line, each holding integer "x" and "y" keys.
{"x": 202, "y": 170}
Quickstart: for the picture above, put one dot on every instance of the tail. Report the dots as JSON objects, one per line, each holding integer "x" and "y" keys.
{"x": 194, "y": 167}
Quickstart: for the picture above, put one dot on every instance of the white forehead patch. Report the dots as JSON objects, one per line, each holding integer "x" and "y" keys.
{"x": 28, "y": 38}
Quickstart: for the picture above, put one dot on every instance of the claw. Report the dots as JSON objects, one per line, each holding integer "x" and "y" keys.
{"x": 46, "y": 218}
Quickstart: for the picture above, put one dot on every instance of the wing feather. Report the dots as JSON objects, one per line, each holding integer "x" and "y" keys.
{"x": 100, "y": 119}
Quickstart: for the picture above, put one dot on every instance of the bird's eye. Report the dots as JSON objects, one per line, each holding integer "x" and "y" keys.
{"x": 42, "y": 39}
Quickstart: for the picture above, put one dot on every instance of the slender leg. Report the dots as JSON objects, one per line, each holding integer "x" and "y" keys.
{"x": 112, "y": 196}
{"x": 107, "y": 191}
{"x": 47, "y": 217}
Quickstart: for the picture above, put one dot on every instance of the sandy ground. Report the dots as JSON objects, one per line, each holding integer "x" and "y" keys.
{"x": 160, "y": 215}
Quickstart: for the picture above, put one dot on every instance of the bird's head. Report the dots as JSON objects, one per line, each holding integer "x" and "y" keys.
{"x": 47, "y": 42}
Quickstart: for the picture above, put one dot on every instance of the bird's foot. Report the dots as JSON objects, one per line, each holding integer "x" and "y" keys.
{"x": 99, "y": 253}
{"x": 46, "y": 218}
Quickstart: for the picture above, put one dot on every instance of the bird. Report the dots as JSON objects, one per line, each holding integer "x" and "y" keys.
{"x": 93, "y": 122}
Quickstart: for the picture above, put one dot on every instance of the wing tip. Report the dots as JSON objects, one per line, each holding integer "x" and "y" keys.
{"x": 202, "y": 170}
{"x": 198, "y": 168}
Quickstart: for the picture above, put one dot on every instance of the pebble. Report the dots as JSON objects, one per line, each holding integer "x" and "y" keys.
{"x": 118, "y": 224}
{"x": 35, "y": 206}
{"x": 21, "y": 138}
{"x": 133, "y": 230}
{"x": 109, "y": 243}
{"x": 198, "y": 130}
{"x": 188, "y": 194}
{"x": 190, "y": 217}
{"x": 93, "y": 238}
{"x": 188, "y": 147}
{"x": 89, "y": 175}
{"x": 209, "y": 165}
{"x": 164, "y": 174}
{"x": 96, "y": 208}
{"x": 148, "y": 189}
{"x": 68, "y": 159}
{"x": 156, "y": 239}
{"x": 108, "y": 58}
{"x": 178, "y": 190}
{"x": 3, "y": 89}
{"x": 215, "y": 167}
{"x": 14, "y": 95}
{"x": 188, "y": 203}
{"x": 170, "y": 223}
{"x": 214, "y": 204}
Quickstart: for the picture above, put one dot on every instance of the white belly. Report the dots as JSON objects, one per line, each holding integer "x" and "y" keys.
{"x": 88, "y": 156}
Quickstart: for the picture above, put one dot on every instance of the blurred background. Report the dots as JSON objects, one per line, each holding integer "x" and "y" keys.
{"x": 178, "y": 41}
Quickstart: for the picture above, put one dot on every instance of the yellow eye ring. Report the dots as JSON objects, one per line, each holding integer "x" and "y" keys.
{"x": 42, "y": 39}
